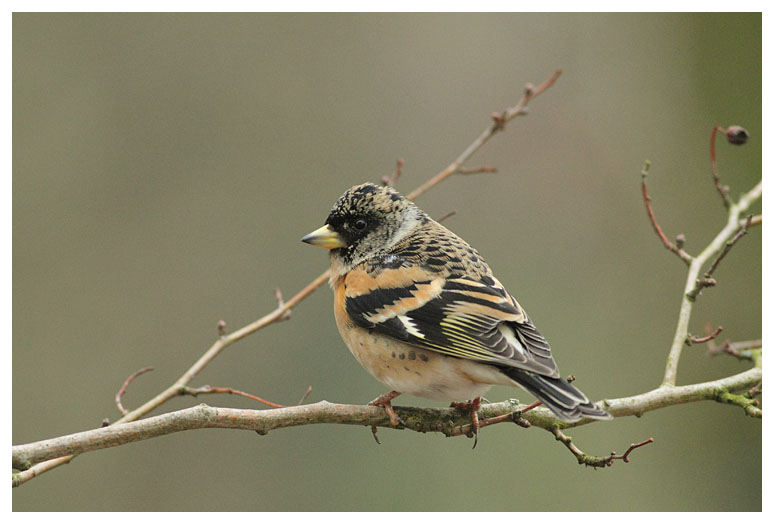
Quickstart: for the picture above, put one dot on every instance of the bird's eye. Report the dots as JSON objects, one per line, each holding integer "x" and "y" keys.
{"x": 360, "y": 224}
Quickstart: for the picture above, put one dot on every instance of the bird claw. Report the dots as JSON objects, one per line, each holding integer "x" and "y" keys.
{"x": 384, "y": 402}
{"x": 472, "y": 407}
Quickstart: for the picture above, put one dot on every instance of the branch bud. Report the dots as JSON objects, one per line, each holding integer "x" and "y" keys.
{"x": 680, "y": 240}
{"x": 737, "y": 135}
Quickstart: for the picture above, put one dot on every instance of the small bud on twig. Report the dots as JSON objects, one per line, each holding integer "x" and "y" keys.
{"x": 737, "y": 135}
{"x": 499, "y": 121}
{"x": 680, "y": 241}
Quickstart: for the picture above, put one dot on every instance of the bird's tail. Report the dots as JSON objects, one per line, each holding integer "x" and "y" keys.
{"x": 565, "y": 400}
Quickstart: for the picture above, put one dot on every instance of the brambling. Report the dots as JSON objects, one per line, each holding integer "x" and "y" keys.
{"x": 423, "y": 313}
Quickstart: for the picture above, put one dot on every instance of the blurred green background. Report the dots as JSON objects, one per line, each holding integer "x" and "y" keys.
{"x": 165, "y": 167}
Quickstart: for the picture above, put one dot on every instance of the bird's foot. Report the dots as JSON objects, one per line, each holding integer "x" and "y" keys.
{"x": 473, "y": 407}
{"x": 384, "y": 402}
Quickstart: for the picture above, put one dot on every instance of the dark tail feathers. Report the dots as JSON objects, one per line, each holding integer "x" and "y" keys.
{"x": 565, "y": 400}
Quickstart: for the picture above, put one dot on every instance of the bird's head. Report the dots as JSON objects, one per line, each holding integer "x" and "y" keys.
{"x": 365, "y": 222}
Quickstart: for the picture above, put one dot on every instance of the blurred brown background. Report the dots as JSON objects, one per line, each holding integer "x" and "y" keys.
{"x": 165, "y": 167}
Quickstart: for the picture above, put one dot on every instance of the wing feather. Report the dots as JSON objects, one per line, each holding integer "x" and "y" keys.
{"x": 460, "y": 317}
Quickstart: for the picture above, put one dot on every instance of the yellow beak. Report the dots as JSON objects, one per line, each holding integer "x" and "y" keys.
{"x": 324, "y": 237}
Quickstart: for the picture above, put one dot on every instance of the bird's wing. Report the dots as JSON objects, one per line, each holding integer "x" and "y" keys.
{"x": 456, "y": 316}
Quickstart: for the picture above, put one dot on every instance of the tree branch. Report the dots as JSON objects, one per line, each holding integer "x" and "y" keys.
{"x": 694, "y": 284}
{"x": 448, "y": 421}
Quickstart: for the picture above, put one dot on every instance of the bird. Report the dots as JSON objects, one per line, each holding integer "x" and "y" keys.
{"x": 423, "y": 313}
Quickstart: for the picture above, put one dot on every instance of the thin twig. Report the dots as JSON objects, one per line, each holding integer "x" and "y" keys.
{"x": 391, "y": 181}
{"x": 707, "y": 281}
{"x": 728, "y": 246}
{"x": 446, "y": 216}
{"x": 207, "y": 389}
{"x": 691, "y": 339}
{"x": 741, "y": 350}
{"x": 722, "y": 190}
{"x": 121, "y": 392}
{"x": 595, "y": 461}
{"x": 685, "y": 257}
{"x": 626, "y": 456}
{"x": 462, "y": 170}
{"x": 305, "y": 396}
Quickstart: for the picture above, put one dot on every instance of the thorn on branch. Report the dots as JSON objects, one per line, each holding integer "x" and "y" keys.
{"x": 685, "y": 257}
{"x": 691, "y": 339}
{"x": 221, "y": 328}
{"x": 391, "y": 181}
{"x": 105, "y": 423}
{"x": 121, "y": 392}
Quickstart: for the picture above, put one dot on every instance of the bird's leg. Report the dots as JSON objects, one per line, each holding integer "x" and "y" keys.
{"x": 473, "y": 407}
{"x": 384, "y": 402}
